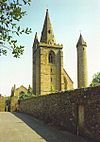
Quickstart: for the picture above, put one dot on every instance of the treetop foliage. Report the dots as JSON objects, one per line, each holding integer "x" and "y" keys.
{"x": 11, "y": 12}
{"x": 26, "y": 96}
{"x": 96, "y": 79}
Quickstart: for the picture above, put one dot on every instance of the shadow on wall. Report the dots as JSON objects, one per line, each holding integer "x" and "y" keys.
{"x": 46, "y": 132}
{"x": 77, "y": 111}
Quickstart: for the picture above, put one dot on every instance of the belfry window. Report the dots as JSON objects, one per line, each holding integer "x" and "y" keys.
{"x": 51, "y": 57}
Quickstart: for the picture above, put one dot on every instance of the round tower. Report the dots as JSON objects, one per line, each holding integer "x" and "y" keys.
{"x": 82, "y": 72}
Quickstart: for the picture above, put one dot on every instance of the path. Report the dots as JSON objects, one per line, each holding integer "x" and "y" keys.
{"x": 19, "y": 127}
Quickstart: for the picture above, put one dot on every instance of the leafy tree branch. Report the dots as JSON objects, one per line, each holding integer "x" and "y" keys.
{"x": 95, "y": 80}
{"x": 11, "y": 12}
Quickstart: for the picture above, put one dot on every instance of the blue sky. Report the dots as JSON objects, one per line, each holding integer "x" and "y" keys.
{"x": 68, "y": 19}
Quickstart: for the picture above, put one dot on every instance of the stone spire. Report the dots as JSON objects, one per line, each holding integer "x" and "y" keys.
{"x": 47, "y": 35}
{"x": 81, "y": 41}
{"x": 36, "y": 41}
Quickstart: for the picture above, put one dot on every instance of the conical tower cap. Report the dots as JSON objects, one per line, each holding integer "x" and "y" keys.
{"x": 47, "y": 35}
{"x": 81, "y": 41}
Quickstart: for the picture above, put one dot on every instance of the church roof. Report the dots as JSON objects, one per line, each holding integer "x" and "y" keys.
{"x": 21, "y": 87}
{"x": 81, "y": 41}
{"x": 67, "y": 75}
{"x": 47, "y": 35}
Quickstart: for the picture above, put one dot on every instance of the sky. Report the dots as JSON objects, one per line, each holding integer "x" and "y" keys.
{"x": 68, "y": 19}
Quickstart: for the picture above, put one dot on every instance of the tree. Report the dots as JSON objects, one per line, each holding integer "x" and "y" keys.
{"x": 12, "y": 12}
{"x": 26, "y": 96}
{"x": 95, "y": 80}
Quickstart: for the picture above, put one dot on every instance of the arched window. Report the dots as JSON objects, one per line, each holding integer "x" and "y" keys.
{"x": 51, "y": 57}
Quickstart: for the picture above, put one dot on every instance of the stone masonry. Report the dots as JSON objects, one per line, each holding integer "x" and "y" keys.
{"x": 48, "y": 72}
{"x": 2, "y": 103}
{"x": 82, "y": 71}
{"x": 77, "y": 111}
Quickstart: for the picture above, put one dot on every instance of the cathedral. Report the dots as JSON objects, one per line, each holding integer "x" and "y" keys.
{"x": 48, "y": 74}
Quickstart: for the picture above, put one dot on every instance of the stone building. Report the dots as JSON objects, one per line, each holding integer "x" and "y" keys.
{"x": 49, "y": 74}
{"x": 82, "y": 71}
{"x": 18, "y": 91}
{"x": 16, "y": 94}
{"x": 2, "y": 103}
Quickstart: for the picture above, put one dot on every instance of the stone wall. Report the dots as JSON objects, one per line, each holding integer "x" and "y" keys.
{"x": 2, "y": 103}
{"x": 77, "y": 111}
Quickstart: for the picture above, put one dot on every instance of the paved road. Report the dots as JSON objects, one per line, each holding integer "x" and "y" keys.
{"x": 19, "y": 127}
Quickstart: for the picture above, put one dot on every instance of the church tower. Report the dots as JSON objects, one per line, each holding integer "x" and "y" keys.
{"x": 48, "y": 73}
{"x": 82, "y": 72}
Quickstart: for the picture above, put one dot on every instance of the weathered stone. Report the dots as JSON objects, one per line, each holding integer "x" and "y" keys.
{"x": 82, "y": 72}
{"x": 48, "y": 72}
{"x": 69, "y": 110}
{"x": 2, "y": 103}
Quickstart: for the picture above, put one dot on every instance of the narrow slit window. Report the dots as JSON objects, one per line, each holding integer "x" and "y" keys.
{"x": 51, "y": 57}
